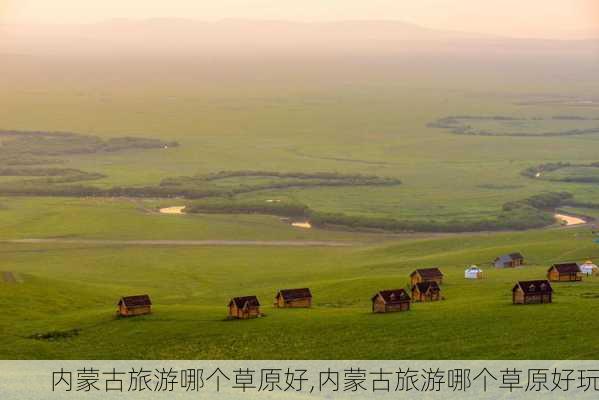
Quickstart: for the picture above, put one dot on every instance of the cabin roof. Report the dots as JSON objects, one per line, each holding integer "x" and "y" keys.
{"x": 533, "y": 287}
{"x": 393, "y": 296}
{"x": 428, "y": 272}
{"x": 294, "y": 294}
{"x": 136, "y": 301}
{"x": 510, "y": 257}
{"x": 566, "y": 268}
{"x": 240, "y": 302}
{"x": 424, "y": 286}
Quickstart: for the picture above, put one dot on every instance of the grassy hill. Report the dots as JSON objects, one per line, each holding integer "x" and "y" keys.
{"x": 68, "y": 293}
{"x": 347, "y": 111}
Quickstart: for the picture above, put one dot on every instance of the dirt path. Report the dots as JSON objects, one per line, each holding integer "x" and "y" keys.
{"x": 259, "y": 243}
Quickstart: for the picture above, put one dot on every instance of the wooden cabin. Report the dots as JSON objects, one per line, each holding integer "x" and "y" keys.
{"x": 565, "y": 272}
{"x": 511, "y": 260}
{"x": 244, "y": 307}
{"x": 130, "y": 306}
{"x": 294, "y": 298}
{"x": 426, "y": 291}
{"x": 532, "y": 292}
{"x": 426, "y": 275}
{"x": 391, "y": 301}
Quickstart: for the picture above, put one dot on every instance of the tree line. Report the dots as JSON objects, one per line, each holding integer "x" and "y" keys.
{"x": 533, "y": 212}
{"x": 456, "y": 125}
{"x": 538, "y": 172}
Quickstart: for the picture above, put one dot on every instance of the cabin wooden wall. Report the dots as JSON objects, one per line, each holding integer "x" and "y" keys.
{"x": 297, "y": 303}
{"x": 537, "y": 299}
{"x": 233, "y": 311}
{"x": 378, "y": 305}
{"x": 517, "y": 263}
{"x": 404, "y": 306}
{"x": 431, "y": 296}
{"x": 129, "y": 312}
{"x": 424, "y": 297}
{"x": 251, "y": 312}
{"x": 279, "y": 301}
{"x": 555, "y": 276}
{"x": 518, "y": 296}
{"x": 417, "y": 279}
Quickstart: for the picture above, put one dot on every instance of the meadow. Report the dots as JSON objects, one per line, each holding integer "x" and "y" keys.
{"x": 63, "y": 304}
{"x": 346, "y": 115}
{"x": 311, "y": 122}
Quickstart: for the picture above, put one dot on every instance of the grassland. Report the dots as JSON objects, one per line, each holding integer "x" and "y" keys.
{"x": 71, "y": 289}
{"x": 312, "y": 123}
{"x": 341, "y": 115}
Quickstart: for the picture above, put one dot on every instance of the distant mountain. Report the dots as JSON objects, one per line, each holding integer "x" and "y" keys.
{"x": 175, "y": 35}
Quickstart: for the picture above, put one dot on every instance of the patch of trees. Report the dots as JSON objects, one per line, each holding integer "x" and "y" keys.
{"x": 532, "y": 172}
{"x": 519, "y": 215}
{"x": 582, "y": 204}
{"x": 573, "y": 118}
{"x": 520, "y": 219}
{"x": 280, "y": 180}
{"x": 51, "y": 175}
{"x": 31, "y": 149}
{"x": 458, "y": 125}
{"x": 350, "y": 179}
{"x": 543, "y": 201}
{"x": 187, "y": 187}
{"x": 539, "y": 171}
{"x": 29, "y": 188}
{"x": 281, "y": 209}
{"x": 37, "y": 143}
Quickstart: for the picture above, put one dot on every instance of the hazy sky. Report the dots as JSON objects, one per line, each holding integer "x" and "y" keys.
{"x": 531, "y": 18}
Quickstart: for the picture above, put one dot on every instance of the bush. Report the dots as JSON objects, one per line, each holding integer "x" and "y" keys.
{"x": 282, "y": 209}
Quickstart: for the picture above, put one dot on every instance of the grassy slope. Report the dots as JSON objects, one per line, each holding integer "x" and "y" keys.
{"x": 298, "y": 122}
{"x": 76, "y": 286}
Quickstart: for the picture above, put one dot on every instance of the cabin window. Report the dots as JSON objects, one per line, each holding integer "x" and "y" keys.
{"x": 531, "y": 288}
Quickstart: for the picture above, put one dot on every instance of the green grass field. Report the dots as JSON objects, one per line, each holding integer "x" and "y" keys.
{"x": 66, "y": 287}
{"x": 337, "y": 115}
{"x": 308, "y": 124}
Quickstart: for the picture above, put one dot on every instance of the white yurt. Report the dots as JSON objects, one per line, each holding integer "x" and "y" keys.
{"x": 473, "y": 272}
{"x": 588, "y": 268}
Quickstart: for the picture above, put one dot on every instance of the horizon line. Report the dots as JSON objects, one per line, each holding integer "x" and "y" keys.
{"x": 585, "y": 35}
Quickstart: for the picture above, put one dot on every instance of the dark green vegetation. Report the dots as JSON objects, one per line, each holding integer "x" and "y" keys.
{"x": 499, "y": 125}
{"x": 569, "y": 173}
{"x": 231, "y": 183}
{"x": 534, "y": 212}
{"x": 224, "y": 185}
{"x": 20, "y": 150}
{"x": 565, "y": 172}
{"x": 16, "y": 144}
